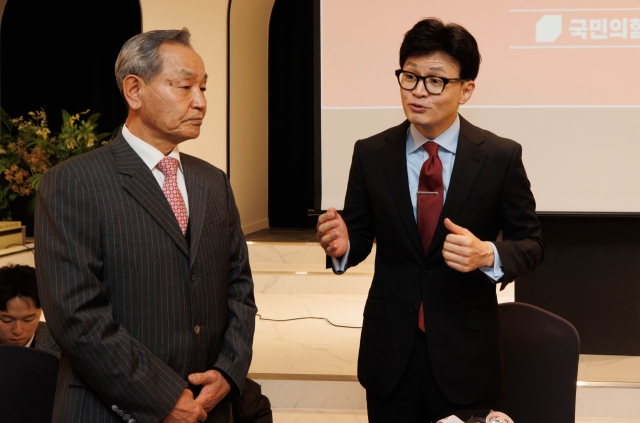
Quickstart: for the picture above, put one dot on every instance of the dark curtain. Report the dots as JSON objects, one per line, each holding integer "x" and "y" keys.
{"x": 291, "y": 114}
{"x": 61, "y": 55}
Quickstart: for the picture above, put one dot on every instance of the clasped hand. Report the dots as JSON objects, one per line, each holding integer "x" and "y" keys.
{"x": 214, "y": 388}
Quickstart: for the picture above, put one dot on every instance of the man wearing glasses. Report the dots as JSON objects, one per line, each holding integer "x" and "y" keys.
{"x": 434, "y": 192}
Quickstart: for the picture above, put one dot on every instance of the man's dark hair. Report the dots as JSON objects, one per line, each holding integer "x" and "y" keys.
{"x": 18, "y": 281}
{"x": 431, "y": 35}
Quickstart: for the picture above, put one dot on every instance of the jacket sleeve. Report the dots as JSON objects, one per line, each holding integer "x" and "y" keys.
{"x": 236, "y": 350}
{"x": 357, "y": 212}
{"x": 522, "y": 246}
{"x": 69, "y": 263}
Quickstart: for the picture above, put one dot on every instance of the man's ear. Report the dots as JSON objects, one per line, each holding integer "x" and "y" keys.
{"x": 132, "y": 88}
{"x": 467, "y": 91}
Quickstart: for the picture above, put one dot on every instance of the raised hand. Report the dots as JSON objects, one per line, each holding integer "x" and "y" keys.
{"x": 332, "y": 233}
{"x": 464, "y": 252}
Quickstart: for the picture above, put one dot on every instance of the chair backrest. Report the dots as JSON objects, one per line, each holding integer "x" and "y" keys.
{"x": 540, "y": 354}
{"x": 27, "y": 384}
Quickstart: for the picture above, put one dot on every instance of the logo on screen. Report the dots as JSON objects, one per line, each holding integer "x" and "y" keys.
{"x": 548, "y": 28}
{"x": 579, "y": 28}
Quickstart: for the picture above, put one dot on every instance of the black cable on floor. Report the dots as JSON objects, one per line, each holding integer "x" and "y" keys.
{"x": 22, "y": 245}
{"x": 308, "y": 318}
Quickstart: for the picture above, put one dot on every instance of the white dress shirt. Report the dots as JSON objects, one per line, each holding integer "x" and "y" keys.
{"x": 151, "y": 156}
{"x": 28, "y": 344}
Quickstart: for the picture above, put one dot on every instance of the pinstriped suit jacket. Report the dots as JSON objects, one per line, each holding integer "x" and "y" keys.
{"x": 134, "y": 306}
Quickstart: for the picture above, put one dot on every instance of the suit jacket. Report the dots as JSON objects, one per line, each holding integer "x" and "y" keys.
{"x": 134, "y": 305}
{"x": 489, "y": 192}
{"x": 43, "y": 340}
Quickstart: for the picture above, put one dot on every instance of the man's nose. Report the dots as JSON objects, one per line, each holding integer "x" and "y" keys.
{"x": 199, "y": 101}
{"x": 18, "y": 328}
{"x": 420, "y": 89}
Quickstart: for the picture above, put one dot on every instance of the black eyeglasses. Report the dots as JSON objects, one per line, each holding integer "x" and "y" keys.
{"x": 434, "y": 84}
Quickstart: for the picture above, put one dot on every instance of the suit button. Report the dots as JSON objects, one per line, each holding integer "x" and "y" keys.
{"x": 194, "y": 278}
{"x": 196, "y": 329}
{"x": 114, "y": 408}
{"x": 413, "y": 309}
{"x": 126, "y": 417}
{"x": 131, "y": 421}
{"x": 425, "y": 268}
{"x": 120, "y": 413}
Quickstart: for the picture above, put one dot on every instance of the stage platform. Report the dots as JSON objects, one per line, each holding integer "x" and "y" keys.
{"x": 307, "y": 365}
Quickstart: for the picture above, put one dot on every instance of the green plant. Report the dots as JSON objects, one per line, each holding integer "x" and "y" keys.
{"x": 27, "y": 151}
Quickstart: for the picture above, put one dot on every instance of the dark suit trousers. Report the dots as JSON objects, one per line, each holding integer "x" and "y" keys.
{"x": 417, "y": 398}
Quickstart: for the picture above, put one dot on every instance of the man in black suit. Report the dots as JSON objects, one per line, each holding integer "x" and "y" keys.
{"x": 434, "y": 192}
{"x": 143, "y": 268}
{"x": 20, "y": 310}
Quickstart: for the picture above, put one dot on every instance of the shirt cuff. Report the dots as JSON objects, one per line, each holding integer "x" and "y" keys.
{"x": 339, "y": 264}
{"x": 494, "y": 272}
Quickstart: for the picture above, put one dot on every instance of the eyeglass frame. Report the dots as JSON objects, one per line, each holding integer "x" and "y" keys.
{"x": 424, "y": 81}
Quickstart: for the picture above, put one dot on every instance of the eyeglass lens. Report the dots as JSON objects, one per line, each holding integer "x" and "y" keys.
{"x": 409, "y": 81}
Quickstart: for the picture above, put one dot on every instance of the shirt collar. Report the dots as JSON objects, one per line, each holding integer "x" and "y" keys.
{"x": 447, "y": 140}
{"x": 148, "y": 153}
{"x": 28, "y": 344}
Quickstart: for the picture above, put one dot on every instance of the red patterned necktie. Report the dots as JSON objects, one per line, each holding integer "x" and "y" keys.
{"x": 430, "y": 202}
{"x": 169, "y": 168}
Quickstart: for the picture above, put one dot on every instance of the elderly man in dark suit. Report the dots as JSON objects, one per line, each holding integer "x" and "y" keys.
{"x": 434, "y": 192}
{"x": 142, "y": 264}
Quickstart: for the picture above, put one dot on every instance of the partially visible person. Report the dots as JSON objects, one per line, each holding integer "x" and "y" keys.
{"x": 20, "y": 310}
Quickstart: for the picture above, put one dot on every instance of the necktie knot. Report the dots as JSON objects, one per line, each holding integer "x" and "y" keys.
{"x": 168, "y": 166}
{"x": 432, "y": 148}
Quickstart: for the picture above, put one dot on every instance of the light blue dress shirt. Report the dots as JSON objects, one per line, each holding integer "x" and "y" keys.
{"x": 416, "y": 156}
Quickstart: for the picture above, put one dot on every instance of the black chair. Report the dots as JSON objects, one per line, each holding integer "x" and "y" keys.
{"x": 252, "y": 406}
{"x": 540, "y": 353}
{"x": 27, "y": 384}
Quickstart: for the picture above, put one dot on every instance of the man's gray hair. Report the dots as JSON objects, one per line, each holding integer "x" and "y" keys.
{"x": 139, "y": 56}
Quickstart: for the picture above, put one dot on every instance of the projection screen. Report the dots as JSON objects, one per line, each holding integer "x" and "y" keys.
{"x": 560, "y": 77}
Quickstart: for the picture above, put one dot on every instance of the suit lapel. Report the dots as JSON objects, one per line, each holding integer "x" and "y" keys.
{"x": 469, "y": 162}
{"x": 144, "y": 188}
{"x": 393, "y": 156}
{"x": 197, "y": 203}
{"x": 43, "y": 339}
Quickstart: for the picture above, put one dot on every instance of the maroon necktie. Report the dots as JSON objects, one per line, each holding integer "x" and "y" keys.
{"x": 430, "y": 202}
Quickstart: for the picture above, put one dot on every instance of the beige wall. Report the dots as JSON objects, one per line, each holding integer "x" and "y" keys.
{"x": 207, "y": 22}
{"x": 249, "y": 103}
